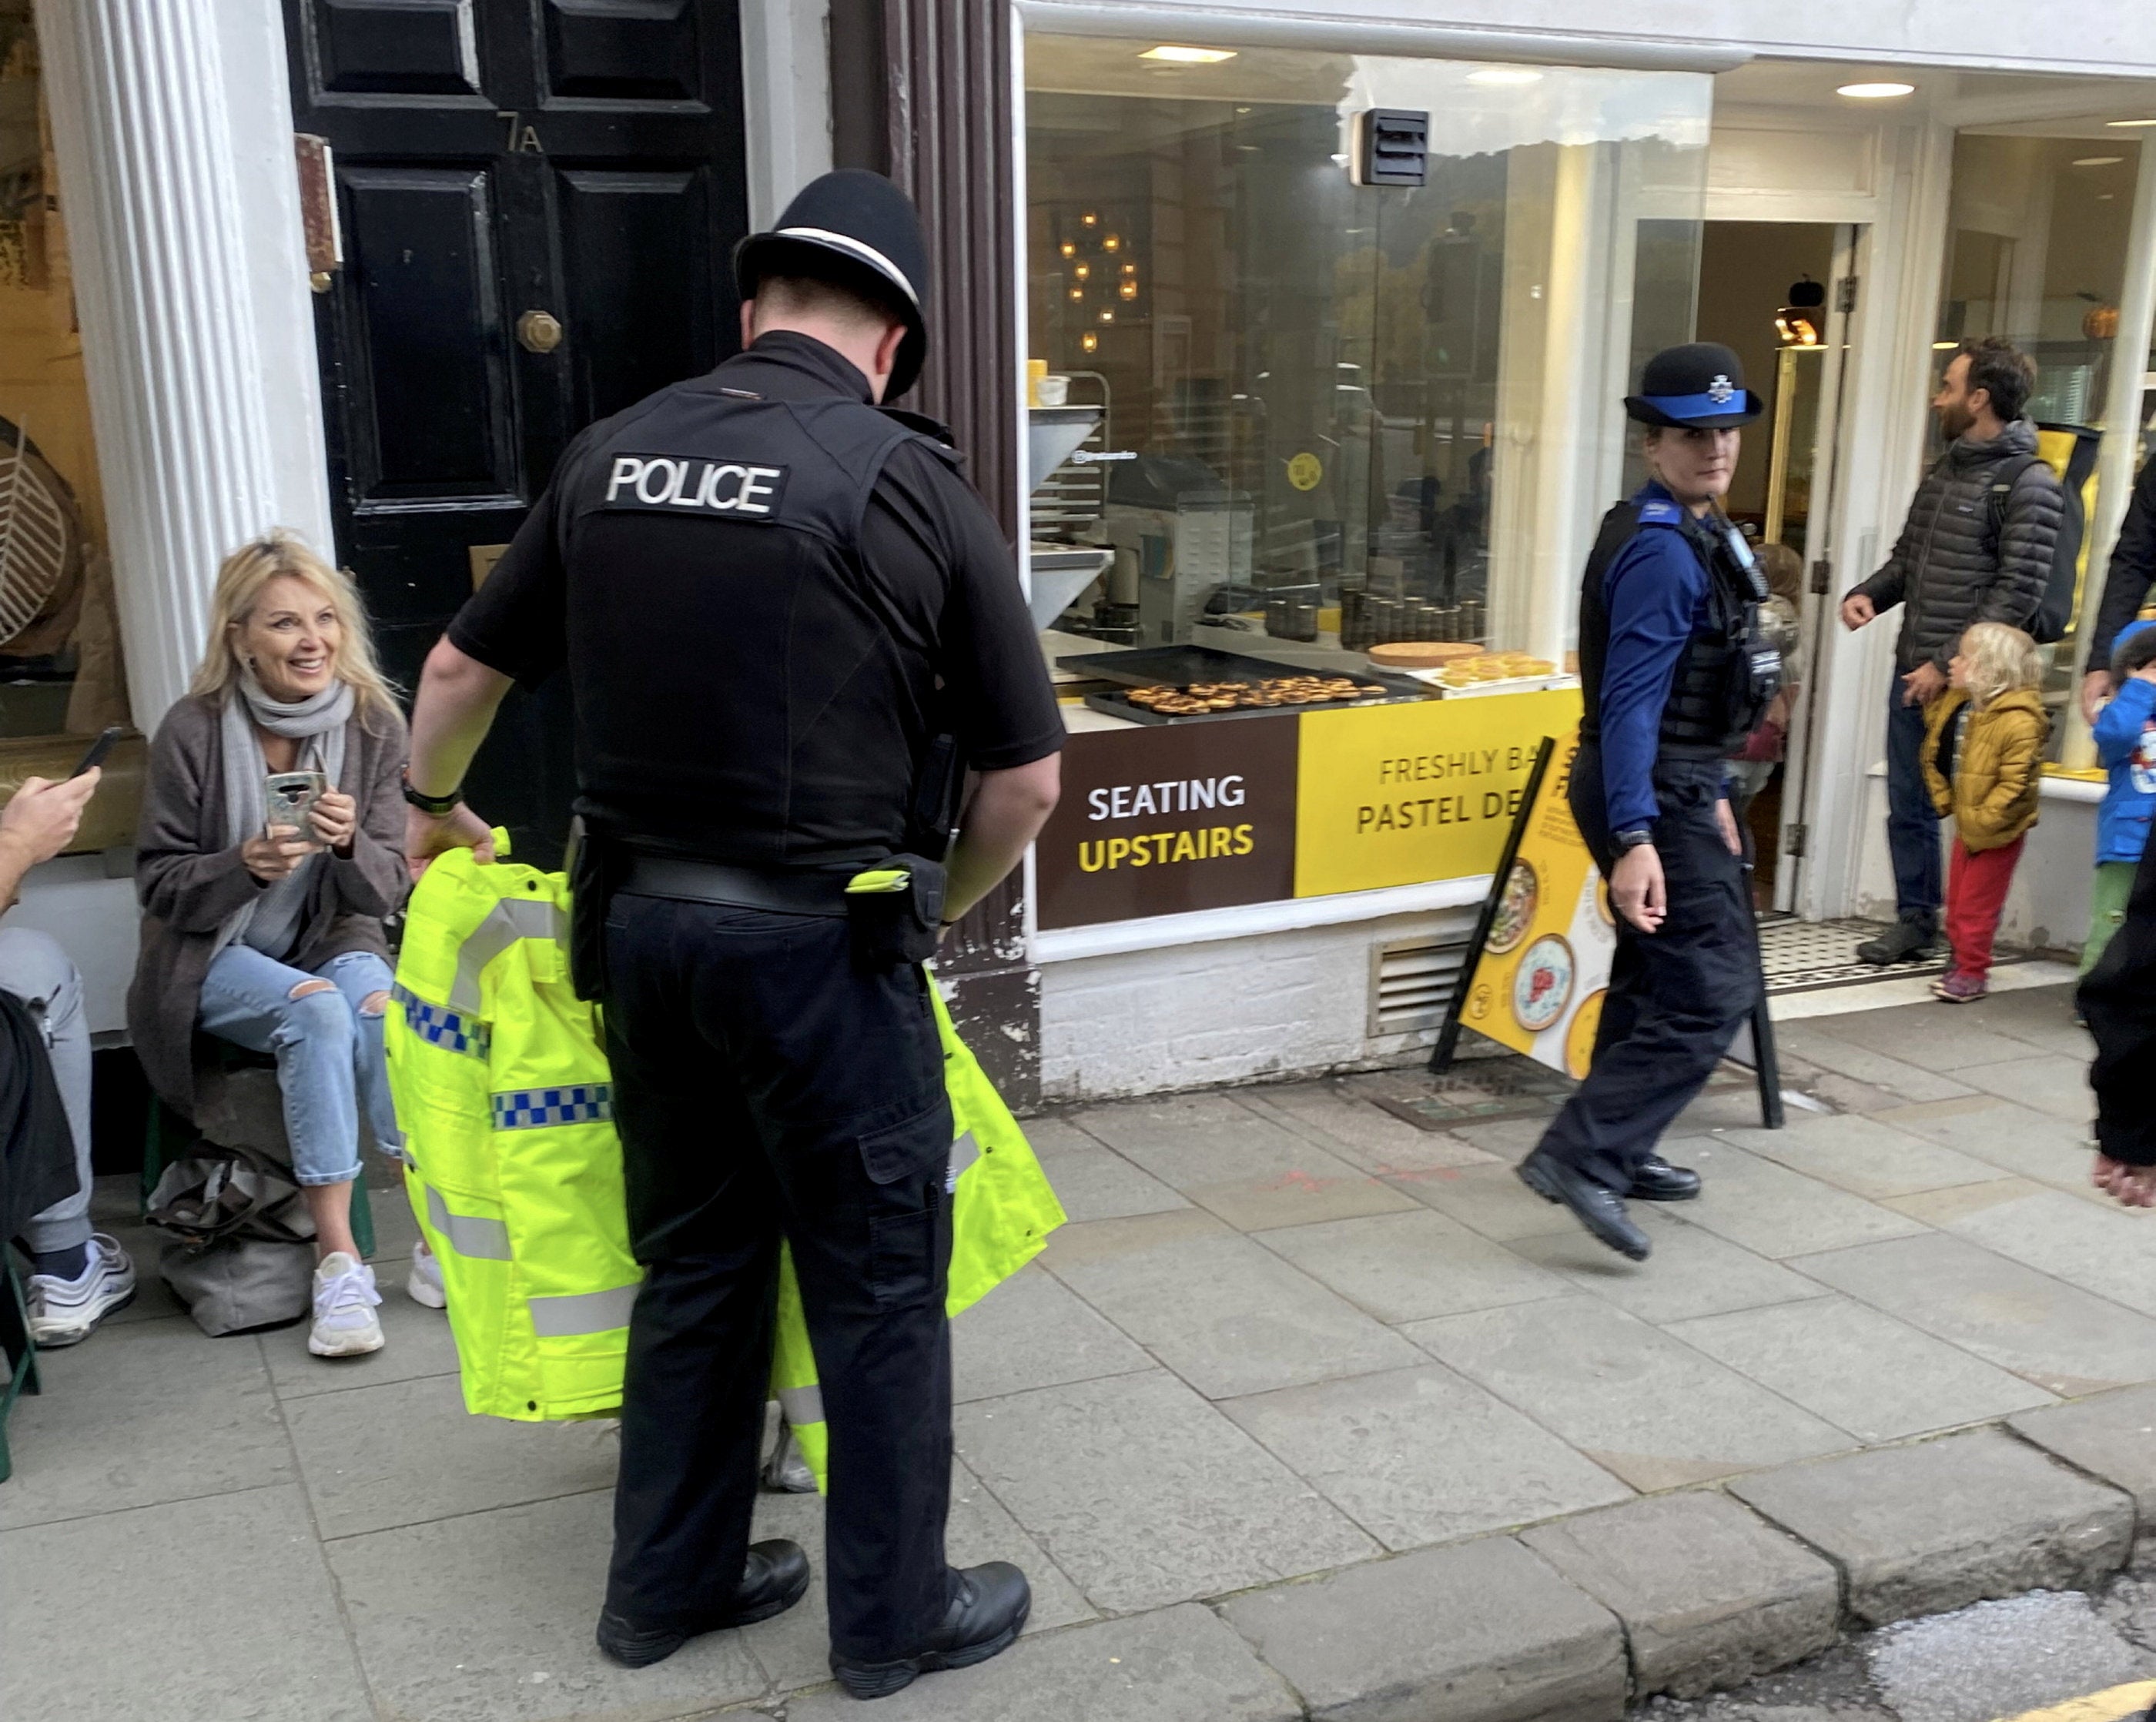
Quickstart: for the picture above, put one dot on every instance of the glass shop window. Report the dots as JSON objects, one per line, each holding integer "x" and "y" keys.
{"x": 1276, "y": 401}
{"x": 2036, "y": 252}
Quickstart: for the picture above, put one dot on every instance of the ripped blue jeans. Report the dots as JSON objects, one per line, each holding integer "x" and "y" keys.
{"x": 328, "y": 1045}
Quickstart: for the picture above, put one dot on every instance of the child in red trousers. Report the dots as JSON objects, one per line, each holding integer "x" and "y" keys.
{"x": 1984, "y": 760}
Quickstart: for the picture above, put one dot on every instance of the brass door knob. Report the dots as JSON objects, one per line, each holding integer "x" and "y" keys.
{"x": 538, "y": 332}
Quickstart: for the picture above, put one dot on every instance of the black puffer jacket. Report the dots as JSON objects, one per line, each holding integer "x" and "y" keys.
{"x": 1946, "y": 570}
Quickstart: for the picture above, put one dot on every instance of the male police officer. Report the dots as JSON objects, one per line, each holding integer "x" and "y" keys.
{"x": 772, "y": 598}
{"x": 1674, "y": 673}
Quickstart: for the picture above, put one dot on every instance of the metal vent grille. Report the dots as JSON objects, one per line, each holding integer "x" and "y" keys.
{"x": 1411, "y": 984}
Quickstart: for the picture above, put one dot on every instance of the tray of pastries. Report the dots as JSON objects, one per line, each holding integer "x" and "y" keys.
{"x": 1491, "y": 673}
{"x": 1169, "y": 702}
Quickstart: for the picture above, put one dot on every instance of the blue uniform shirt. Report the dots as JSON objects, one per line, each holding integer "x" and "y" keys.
{"x": 1656, "y": 591}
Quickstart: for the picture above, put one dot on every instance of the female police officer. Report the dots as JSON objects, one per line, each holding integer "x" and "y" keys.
{"x": 1675, "y": 674}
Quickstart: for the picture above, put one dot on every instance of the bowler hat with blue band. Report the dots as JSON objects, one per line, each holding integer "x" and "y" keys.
{"x": 857, "y": 230}
{"x": 1699, "y": 386}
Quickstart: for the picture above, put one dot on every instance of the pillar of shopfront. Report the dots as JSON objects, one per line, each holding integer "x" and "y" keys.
{"x": 172, "y": 130}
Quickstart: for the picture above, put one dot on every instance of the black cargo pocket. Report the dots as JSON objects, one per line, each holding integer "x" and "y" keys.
{"x": 907, "y": 1226}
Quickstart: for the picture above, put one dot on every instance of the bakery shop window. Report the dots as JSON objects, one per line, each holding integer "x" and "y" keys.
{"x": 1326, "y": 349}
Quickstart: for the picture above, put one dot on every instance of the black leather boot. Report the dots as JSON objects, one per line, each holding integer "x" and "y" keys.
{"x": 1601, "y": 1211}
{"x": 774, "y": 1580}
{"x": 1905, "y": 941}
{"x": 988, "y": 1606}
{"x": 1658, "y": 1181}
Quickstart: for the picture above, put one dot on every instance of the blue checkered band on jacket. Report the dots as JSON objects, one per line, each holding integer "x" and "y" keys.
{"x": 441, "y": 1025}
{"x": 535, "y": 1109}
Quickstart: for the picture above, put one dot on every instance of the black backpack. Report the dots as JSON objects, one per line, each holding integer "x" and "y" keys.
{"x": 2055, "y": 613}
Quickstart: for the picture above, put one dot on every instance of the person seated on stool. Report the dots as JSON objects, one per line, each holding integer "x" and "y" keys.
{"x": 270, "y": 936}
{"x": 78, "y": 1276}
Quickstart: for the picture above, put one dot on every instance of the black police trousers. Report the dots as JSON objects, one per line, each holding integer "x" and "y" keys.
{"x": 1676, "y": 997}
{"x": 764, "y": 1085}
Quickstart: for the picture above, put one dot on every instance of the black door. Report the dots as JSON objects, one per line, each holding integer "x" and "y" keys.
{"x": 539, "y": 199}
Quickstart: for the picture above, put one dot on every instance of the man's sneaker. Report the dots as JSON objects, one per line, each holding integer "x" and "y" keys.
{"x": 64, "y": 1312}
{"x": 1905, "y": 941}
{"x": 346, "y": 1324}
{"x": 1957, "y": 988}
{"x": 424, "y": 1283}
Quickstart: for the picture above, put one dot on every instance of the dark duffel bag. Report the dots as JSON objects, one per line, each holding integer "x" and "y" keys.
{"x": 239, "y": 1248}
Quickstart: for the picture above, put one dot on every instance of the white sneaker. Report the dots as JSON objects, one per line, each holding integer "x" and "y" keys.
{"x": 346, "y": 1324}
{"x": 63, "y": 1312}
{"x": 423, "y": 1284}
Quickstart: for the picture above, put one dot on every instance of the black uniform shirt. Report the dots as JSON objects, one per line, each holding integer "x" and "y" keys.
{"x": 690, "y": 719}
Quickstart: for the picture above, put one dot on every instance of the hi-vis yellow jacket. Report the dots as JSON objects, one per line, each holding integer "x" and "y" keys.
{"x": 505, "y": 1099}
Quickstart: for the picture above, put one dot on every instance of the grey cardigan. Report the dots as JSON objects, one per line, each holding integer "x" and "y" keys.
{"x": 189, "y": 878}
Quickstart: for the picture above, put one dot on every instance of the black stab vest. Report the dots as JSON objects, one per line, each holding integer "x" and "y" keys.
{"x": 741, "y": 679}
{"x": 1728, "y": 674}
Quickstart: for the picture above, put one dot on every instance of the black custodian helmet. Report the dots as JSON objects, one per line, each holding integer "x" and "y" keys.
{"x": 856, "y": 230}
{"x": 1697, "y": 386}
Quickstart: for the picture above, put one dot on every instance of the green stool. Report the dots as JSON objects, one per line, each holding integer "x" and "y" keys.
{"x": 20, "y": 1353}
{"x": 168, "y": 1136}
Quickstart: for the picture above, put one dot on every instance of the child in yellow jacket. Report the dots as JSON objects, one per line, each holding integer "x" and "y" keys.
{"x": 1984, "y": 761}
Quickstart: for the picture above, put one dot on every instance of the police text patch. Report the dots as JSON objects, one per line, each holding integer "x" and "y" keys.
{"x": 691, "y": 483}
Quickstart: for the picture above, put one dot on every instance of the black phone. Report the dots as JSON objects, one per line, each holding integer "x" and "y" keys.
{"x": 93, "y": 756}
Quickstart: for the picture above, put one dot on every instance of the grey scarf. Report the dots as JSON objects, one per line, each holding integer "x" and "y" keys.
{"x": 317, "y": 723}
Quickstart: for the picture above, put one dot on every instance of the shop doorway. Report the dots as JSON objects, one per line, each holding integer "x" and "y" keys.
{"x": 1782, "y": 295}
{"x": 537, "y": 207}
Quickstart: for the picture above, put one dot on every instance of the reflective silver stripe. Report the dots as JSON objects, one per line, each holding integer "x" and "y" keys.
{"x": 963, "y": 1153}
{"x": 512, "y": 918}
{"x": 867, "y": 254}
{"x": 468, "y": 1234}
{"x": 800, "y": 1406}
{"x": 582, "y": 1313}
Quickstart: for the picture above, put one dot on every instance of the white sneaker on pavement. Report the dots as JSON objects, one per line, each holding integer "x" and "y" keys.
{"x": 346, "y": 1324}
{"x": 64, "y": 1312}
{"x": 423, "y": 1284}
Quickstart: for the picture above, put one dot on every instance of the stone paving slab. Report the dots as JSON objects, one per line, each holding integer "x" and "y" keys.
{"x": 1653, "y": 1410}
{"x": 1146, "y": 1495}
{"x": 1864, "y": 1156}
{"x": 1094, "y": 1182}
{"x": 2106, "y": 1249}
{"x": 2064, "y": 1340}
{"x": 1692, "y": 1273}
{"x": 1774, "y": 1212}
{"x": 1929, "y": 1039}
{"x": 491, "y": 1614}
{"x": 1175, "y": 1665}
{"x": 108, "y": 1618}
{"x": 1419, "y": 1456}
{"x": 1812, "y": 1043}
{"x": 1878, "y": 1378}
{"x": 2014, "y": 1139}
{"x": 1709, "y": 1595}
{"x": 1219, "y": 1308}
{"x": 1207, "y": 1139}
{"x": 2111, "y": 1437}
{"x": 1483, "y": 1631}
{"x": 1409, "y": 1266}
{"x": 1033, "y": 1331}
{"x": 1377, "y": 1141}
{"x": 1490, "y": 1200}
{"x": 151, "y": 1411}
{"x": 1924, "y": 1529}
{"x": 2050, "y": 1082}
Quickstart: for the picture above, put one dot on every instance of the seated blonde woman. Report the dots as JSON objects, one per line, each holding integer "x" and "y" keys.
{"x": 270, "y": 936}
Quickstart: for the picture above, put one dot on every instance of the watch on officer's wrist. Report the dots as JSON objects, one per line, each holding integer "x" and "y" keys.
{"x": 435, "y": 806}
{"x": 1639, "y": 837}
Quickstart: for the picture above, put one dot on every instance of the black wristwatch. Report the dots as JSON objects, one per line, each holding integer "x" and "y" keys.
{"x": 1624, "y": 842}
{"x": 435, "y": 806}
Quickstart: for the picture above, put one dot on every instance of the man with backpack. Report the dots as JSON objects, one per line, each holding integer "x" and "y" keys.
{"x": 1980, "y": 544}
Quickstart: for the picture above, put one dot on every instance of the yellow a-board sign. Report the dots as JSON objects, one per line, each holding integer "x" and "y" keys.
{"x": 1394, "y": 795}
{"x": 1538, "y": 979}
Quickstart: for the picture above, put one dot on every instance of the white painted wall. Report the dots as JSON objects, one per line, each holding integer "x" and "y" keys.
{"x": 1277, "y": 1004}
{"x": 786, "y": 101}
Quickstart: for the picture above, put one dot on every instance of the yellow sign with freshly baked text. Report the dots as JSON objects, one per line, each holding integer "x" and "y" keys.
{"x": 1397, "y": 795}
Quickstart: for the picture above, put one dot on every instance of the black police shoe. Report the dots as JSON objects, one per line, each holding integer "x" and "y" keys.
{"x": 774, "y": 1580}
{"x": 1905, "y": 941}
{"x": 1658, "y": 1181}
{"x": 1601, "y": 1211}
{"x": 988, "y": 1610}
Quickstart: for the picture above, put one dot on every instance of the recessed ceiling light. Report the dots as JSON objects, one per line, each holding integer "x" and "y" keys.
{"x": 1505, "y": 74}
{"x": 1188, "y": 56}
{"x": 1874, "y": 92}
{"x": 2098, "y": 160}
{"x": 2122, "y": 125}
